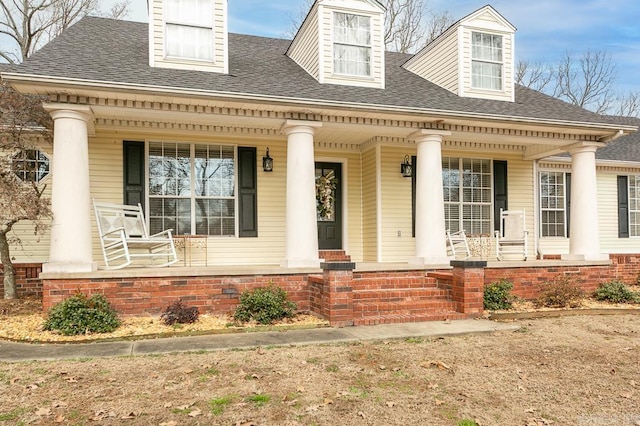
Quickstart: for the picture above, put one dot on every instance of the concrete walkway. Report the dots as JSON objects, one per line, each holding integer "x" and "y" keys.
{"x": 15, "y": 352}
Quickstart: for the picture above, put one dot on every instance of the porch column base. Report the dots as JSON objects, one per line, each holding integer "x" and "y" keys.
{"x": 300, "y": 263}
{"x": 584, "y": 257}
{"x": 65, "y": 267}
{"x": 423, "y": 261}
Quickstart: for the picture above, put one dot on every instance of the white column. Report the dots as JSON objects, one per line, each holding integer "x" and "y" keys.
{"x": 301, "y": 239}
{"x": 584, "y": 235}
{"x": 431, "y": 246}
{"x": 70, "y": 249}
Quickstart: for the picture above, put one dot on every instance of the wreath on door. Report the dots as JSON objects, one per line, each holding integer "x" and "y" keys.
{"x": 325, "y": 187}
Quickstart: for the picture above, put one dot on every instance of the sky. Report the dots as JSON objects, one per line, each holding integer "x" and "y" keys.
{"x": 546, "y": 29}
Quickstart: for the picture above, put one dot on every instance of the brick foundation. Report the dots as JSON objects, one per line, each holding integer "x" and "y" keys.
{"x": 340, "y": 294}
{"x": 28, "y": 283}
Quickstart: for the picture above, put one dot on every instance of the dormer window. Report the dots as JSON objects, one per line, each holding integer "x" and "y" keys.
{"x": 189, "y": 29}
{"x": 486, "y": 61}
{"x": 351, "y": 44}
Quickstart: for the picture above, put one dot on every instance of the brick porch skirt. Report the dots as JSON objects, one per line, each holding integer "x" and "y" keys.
{"x": 340, "y": 294}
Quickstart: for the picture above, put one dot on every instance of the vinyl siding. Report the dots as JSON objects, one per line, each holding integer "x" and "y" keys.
{"x": 439, "y": 63}
{"x": 304, "y": 49}
{"x": 398, "y": 244}
{"x": 369, "y": 206}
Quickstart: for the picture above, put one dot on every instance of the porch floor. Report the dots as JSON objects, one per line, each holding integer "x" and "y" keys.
{"x": 272, "y": 269}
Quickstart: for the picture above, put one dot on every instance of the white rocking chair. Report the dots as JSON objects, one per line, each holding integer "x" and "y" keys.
{"x": 124, "y": 237}
{"x": 511, "y": 240}
{"x": 457, "y": 246}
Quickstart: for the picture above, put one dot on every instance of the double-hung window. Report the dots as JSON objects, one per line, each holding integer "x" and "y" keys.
{"x": 351, "y": 44}
{"x": 554, "y": 199}
{"x": 189, "y": 29}
{"x": 467, "y": 195}
{"x": 486, "y": 61}
{"x": 192, "y": 188}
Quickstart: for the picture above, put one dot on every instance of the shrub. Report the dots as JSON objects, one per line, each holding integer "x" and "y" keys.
{"x": 178, "y": 312}
{"x": 80, "y": 314}
{"x": 560, "y": 292}
{"x": 264, "y": 305}
{"x": 497, "y": 295}
{"x": 616, "y": 292}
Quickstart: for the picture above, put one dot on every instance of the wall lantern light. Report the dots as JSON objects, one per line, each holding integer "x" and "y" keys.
{"x": 406, "y": 168}
{"x": 267, "y": 162}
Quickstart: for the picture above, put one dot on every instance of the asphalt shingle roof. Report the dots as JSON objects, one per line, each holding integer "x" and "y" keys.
{"x": 107, "y": 50}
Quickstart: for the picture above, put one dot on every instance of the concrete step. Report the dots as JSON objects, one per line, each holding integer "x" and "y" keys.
{"x": 404, "y": 318}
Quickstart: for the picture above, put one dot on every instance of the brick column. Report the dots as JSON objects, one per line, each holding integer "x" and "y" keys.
{"x": 467, "y": 289}
{"x": 338, "y": 292}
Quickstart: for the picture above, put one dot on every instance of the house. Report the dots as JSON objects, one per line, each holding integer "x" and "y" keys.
{"x": 180, "y": 115}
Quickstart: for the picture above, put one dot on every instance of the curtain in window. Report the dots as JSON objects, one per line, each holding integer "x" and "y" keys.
{"x": 191, "y": 12}
{"x": 352, "y": 44}
{"x": 486, "y": 66}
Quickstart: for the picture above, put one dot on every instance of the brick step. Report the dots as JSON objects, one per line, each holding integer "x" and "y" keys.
{"x": 403, "y": 318}
{"x": 400, "y": 294}
{"x": 334, "y": 256}
{"x": 371, "y": 308}
{"x": 399, "y": 283}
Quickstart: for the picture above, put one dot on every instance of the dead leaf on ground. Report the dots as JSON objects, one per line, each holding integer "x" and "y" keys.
{"x": 129, "y": 416}
{"x": 59, "y": 418}
{"x": 391, "y": 404}
{"x": 361, "y": 414}
{"x": 169, "y": 423}
{"x": 439, "y": 402}
{"x": 195, "y": 413}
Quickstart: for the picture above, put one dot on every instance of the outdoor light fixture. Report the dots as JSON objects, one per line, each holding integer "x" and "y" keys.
{"x": 267, "y": 162}
{"x": 406, "y": 168}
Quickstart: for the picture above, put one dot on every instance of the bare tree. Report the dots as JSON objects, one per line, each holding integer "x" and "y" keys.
{"x": 409, "y": 24}
{"x": 23, "y": 124}
{"x": 587, "y": 81}
{"x": 535, "y": 75}
{"x": 627, "y": 105}
{"x": 30, "y": 24}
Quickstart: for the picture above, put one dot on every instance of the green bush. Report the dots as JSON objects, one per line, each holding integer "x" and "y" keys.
{"x": 178, "y": 312}
{"x": 497, "y": 295}
{"x": 560, "y": 292}
{"x": 264, "y": 305}
{"x": 80, "y": 314}
{"x": 616, "y": 292}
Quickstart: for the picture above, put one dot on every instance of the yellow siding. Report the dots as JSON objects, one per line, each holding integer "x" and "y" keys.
{"x": 32, "y": 247}
{"x": 439, "y": 64}
{"x": 608, "y": 216}
{"x": 369, "y": 206}
{"x": 398, "y": 243}
{"x": 304, "y": 48}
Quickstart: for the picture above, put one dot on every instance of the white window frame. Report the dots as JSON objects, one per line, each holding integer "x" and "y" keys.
{"x": 189, "y": 27}
{"x": 368, "y": 46}
{"x": 556, "y": 207}
{"x": 469, "y": 224}
{"x": 192, "y": 196}
{"x": 24, "y": 170}
{"x": 634, "y": 205}
{"x": 489, "y": 61}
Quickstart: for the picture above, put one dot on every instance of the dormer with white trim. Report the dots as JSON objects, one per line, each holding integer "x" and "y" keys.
{"x": 342, "y": 42}
{"x": 189, "y": 35}
{"x": 473, "y": 58}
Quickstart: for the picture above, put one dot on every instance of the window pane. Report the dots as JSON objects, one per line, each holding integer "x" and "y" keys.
{"x": 189, "y": 42}
{"x": 552, "y": 204}
{"x": 352, "y": 44}
{"x": 30, "y": 165}
{"x": 634, "y": 206}
{"x": 170, "y": 188}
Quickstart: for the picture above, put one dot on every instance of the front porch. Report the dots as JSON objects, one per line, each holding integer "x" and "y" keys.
{"x": 344, "y": 293}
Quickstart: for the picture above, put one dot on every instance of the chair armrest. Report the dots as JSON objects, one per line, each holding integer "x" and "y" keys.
{"x": 161, "y": 233}
{"x": 119, "y": 230}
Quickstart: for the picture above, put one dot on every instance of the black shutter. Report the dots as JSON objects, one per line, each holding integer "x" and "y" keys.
{"x": 247, "y": 192}
{"x": 133, "y": 170}
{"x": 414, "y": 169}
{"x": 623, "y": 207}
{"x": 500, "y": 201}
{"x": 567, "y": 201}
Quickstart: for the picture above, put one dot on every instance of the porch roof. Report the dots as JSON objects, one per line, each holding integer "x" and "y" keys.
{"x": 107, "y": 53}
